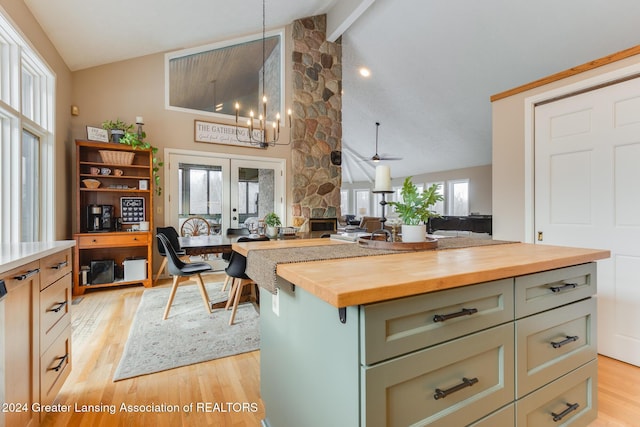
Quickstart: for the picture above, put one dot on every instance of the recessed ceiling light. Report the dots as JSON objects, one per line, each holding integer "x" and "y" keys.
{"x": 364, "y": 72}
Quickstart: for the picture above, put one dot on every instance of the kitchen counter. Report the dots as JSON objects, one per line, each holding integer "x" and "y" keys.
{"x": 354, "y": 281}
{"x": 35, "y": 326}
{"x": 13, "y": 255}
{"x": 485, "y": 335}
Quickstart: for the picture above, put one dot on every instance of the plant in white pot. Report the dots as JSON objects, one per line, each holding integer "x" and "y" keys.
{"x": 272, "y": 222}
{"x": 414, "y": 210}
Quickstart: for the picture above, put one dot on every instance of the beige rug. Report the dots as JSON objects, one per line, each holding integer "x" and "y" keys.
{"x": 190, "y": 335}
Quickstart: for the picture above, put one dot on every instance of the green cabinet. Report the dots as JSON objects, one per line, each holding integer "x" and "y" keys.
{"x": 504, "y": 352}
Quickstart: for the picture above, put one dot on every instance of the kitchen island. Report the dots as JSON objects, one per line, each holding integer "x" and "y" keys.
{"x": 483, "y": 336}
{"x": 35, "y": 327}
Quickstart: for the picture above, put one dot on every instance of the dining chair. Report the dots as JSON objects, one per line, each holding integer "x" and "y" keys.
{"x": 183, "y": 271}
{"x": 172, "y": 235}
{"x": 195, "y": 226}
{"x": 242, "y": 231}
{"x": 236, "y": 270}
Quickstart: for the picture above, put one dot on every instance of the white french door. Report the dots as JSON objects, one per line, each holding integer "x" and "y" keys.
{"x": 224, "y": 190}
{"x": 257, "y": 188}
{"x": 587, "y": 152}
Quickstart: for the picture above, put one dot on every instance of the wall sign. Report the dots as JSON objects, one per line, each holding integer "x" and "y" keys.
{"x": 216, "y": 133}
{"x": 97, "y": 134}
{"x": 132, "y": 209}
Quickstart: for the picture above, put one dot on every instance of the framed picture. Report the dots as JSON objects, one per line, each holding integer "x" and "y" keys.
{"x": 132, "y": 210}
{"x": 216, "y": 133}
{"x": 97, "y": 134}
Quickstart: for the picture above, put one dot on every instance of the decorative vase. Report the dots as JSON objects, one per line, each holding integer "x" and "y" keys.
{"x": 116, "y": 134}
{"x": 271, "y": 231}
{"x": 414, "y": 233}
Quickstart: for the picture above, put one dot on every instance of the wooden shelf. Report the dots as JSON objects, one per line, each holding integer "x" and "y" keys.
{"x": 111, "y": 244}
{"x": 117, "y": 190}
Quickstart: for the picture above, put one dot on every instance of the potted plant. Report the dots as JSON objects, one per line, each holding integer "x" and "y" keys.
{"x": 136, "y": 141}
{"x": 414, "y": 210}
{"x": 272, "y": 222}
{"x": 116, "y": 129}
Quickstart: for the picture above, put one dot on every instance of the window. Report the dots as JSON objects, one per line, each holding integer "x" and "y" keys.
{"x": 200, "y": 191}
{"x": 388, "y": 210}
{"x": 439, "y": 206}
{"x": 362, "y": 202}
{"x": 213, "y": 78}
{"x": 30, "y": 224}
{"x": 344, "y": 202}
{"x": 458, "y": 200}
{"x": 26, "y": 141}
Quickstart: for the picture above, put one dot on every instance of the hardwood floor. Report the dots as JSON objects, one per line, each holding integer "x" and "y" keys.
{"x": 227, "y": 390}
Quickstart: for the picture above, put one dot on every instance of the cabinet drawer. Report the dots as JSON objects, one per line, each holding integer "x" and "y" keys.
{"x": 392, "y": 328}
{"x": 420, "y": 388}
{"x": 55, "y": 366}
{"x": 19, "y": 276}
{"x": 559, "y": 400}
{"x": 54, "y": 267}
{"x": 505, "y": 417}
{"x": 542, "y": 291}
{"x": 552, "y": 343}
{"x": 113, "y": 240}
{"x": 55, "y": 302}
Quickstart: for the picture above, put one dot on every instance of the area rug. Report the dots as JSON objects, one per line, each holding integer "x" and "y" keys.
{"x": 189, "y": 335}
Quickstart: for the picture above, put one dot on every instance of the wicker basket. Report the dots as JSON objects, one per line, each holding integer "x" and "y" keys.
{"x": 117, "y": 157}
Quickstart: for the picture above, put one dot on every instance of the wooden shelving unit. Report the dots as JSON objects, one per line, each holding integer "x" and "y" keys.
{"x": 112, "y": 243}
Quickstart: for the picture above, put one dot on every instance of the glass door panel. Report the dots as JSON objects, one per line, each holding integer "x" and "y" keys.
{"x": 199, "y": 188}
{"x": 257, "y": 188}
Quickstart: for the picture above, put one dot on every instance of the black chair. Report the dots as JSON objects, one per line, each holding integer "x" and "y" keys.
{"x": 182, "y": 271}
{"x": 236, "y": 271}
{"x": 243, "y": 231}
{"x": 172, "y": 235}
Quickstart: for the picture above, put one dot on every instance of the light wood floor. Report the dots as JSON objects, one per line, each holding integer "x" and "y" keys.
{"x": 229, "y": 386}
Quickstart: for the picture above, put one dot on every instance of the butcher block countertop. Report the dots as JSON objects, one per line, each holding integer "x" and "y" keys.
{"x": 369, "y": 279}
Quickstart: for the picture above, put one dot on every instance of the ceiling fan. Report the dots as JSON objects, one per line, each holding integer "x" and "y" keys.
{"x": 376, "y": 157}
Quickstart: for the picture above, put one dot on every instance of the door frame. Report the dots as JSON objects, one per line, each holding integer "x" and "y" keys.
{"x": 280, "y": 162}
{"x": 530, "y": 103}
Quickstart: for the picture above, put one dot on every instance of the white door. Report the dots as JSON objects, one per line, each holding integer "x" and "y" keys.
{"x": 587, "y": 194}
{"x": 257, "y": 188}
{"x": 224, "y": 191}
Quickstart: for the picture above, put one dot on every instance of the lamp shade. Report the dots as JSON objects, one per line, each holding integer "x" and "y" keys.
{"x": 383, "y": 178}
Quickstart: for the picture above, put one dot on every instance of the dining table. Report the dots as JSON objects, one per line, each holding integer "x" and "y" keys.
{"x": 217, "y": 243}
{"x": 203, "y": 245}
{"x": 206, "y": 244}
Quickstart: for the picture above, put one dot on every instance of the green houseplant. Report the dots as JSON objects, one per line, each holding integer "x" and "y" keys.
{"x": 116, "y": 129}
{"x": 137, "y": 142}
{"x": 414, "y": 210}
{"x": 272, "y": 222}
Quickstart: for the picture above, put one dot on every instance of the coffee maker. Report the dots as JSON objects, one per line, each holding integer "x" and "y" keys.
{"x": 94, "y": 218}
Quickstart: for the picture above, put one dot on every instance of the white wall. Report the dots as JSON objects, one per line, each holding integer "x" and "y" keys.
{"x": 513, "y": 148}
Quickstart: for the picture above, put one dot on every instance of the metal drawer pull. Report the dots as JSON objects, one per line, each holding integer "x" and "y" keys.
{"x": 561, "y": 415}
{"x": 466, "y": 382}
{"x": 463, "y": 312}
{"x": 27, "y": 274}
{"x": 565, "y": 341}
{"x": 60, "y": 265}
{"x": 565, "y": 287}
{"x": 59, "y": 307}
{"x": 59, "y": 365}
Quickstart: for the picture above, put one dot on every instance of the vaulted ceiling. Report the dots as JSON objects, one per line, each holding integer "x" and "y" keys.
{"x": 434, "y": 63}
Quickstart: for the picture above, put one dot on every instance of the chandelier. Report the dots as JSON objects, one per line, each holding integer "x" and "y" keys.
{"x": 259, "y": 133}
